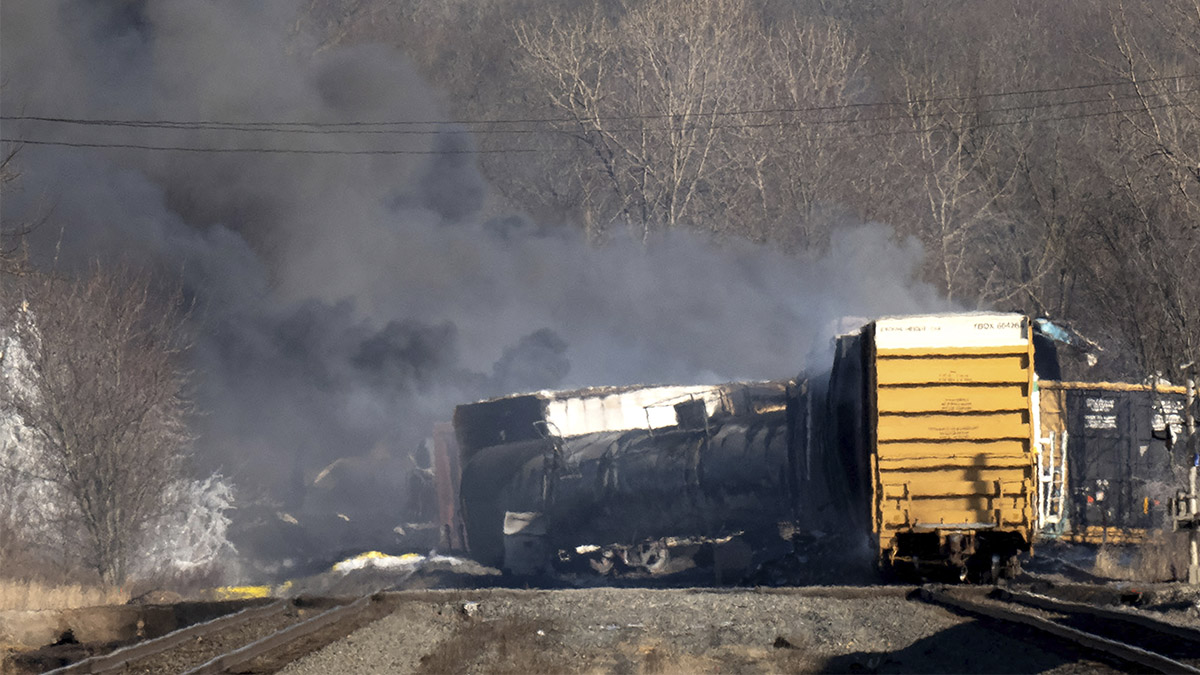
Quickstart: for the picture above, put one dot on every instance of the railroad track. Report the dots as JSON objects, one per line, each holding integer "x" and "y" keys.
{"x": 260, "y": 639}
{"x": 1124, "y": 636}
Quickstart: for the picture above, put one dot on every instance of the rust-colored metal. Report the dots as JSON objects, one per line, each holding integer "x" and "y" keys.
{"x": 1097, "y": 534}
{"x": 1114, "y": 386}
{"x": 447, "y": 475}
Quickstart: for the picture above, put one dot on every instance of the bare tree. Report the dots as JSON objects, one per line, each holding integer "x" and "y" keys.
{"x": 1152, "y": 235}
{"x": 943, "y": 151}
{"x": 648, "y": 90}
{"x": 699, "y": 114}
{"x": 795, "y": 166}
{"x": 13, "y": 257}
{"x": 1045, "y": 198}
{"x": 93, "y": 376}
{"x": 1159, "y": 64}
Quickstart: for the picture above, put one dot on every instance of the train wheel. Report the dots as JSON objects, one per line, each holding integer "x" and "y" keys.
{"x": 994, "y": 573}
{"x": 604, "y": 564}
{"x": 656, "y": 559}
{"x": 1012, "y": 567}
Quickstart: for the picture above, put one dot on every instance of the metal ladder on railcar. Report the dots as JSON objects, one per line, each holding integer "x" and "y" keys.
{"x": 1052, "y": 478}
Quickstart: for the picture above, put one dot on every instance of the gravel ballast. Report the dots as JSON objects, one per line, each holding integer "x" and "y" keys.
{"x": 684, "y": 630}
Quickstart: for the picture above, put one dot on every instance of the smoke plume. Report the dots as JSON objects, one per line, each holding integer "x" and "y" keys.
{"x": 345, "y": 303}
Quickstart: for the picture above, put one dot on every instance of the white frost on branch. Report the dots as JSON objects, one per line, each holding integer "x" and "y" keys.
{"x": 192, "y": 534}
{"x": 30, "y": 507}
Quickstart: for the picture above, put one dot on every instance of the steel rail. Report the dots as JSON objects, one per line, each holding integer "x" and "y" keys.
{"x": 1119, "y": 650}
{"x": 834, "y": 592}
{"x": 1186, "y": 633}
{"x": 120, "y": 658}
{"x": 243, "y": 655}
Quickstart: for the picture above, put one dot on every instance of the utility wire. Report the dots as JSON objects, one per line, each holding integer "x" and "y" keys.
{"x": 300, "y": 151}
{"x": 1006, "y": 123}
{"x": 275, "y": 151}
{"x": 214, "y": 124}
{"x": 262, "y": 128}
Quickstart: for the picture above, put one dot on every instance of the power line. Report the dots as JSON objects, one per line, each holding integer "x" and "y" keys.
{"x": 302, "y": 151}
{"x": 262, "y": 128}
{"x": 939, "y": 113}
{"x": 274, "y": 125}
{"x": 1006, "y": 123}
{"x": 277, "y": 151}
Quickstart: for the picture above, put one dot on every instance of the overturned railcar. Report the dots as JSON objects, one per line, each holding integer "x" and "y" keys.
{"x": 933, "y": 430}
{"x": 554, "y": 471}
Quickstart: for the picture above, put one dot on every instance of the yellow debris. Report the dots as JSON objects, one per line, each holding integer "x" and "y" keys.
{"x": 380, "y": 560}
{"x": 241, "y": 592}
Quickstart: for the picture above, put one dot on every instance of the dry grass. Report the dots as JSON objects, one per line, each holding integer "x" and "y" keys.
{"x": 37, "y": 595}
{"x": 659, "y": 659}
{"x": 28, "y": 585}
{"x": 1163, "y": 557}
{"x": 202, "y": 583}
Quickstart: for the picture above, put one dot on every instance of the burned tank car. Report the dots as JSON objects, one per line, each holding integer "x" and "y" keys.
{"x": 554, "y": 471}
{"x": 932, "y": 441}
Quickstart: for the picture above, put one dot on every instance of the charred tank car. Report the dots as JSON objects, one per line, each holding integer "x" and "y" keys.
{"x": 555, "y": 472}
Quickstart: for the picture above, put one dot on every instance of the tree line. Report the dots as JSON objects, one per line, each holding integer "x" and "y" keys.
{"x": 1044, "y": 154}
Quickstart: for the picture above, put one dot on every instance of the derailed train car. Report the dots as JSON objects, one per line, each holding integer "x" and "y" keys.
{"x": 557, "y": 471}
{"x": 926, "y": 441}
{"x": 1109, "y": 464}
{"x": 932, "y": 419}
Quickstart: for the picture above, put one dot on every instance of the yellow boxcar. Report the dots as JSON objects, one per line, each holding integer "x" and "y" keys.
{"x": 946, "y": 453}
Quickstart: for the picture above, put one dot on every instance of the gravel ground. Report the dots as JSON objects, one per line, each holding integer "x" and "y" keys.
{"x": 676, "y": 631}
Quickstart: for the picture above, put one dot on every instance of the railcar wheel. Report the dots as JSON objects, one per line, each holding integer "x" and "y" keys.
{"x": 1012, "y": 567}
{"x": 604, "y": 564}
{"x": 994, "y": 573}
{"x": 656, "y": 558}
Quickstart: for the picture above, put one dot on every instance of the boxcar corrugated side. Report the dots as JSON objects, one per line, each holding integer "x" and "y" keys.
{"x": 946, "y": 448}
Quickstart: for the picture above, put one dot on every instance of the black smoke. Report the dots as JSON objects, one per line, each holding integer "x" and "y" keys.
{"x": 346, "y": 302}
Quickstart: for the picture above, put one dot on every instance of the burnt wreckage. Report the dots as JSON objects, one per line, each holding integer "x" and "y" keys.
{"x": 559, "y": 471}
{"x": 925, "y": 447}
